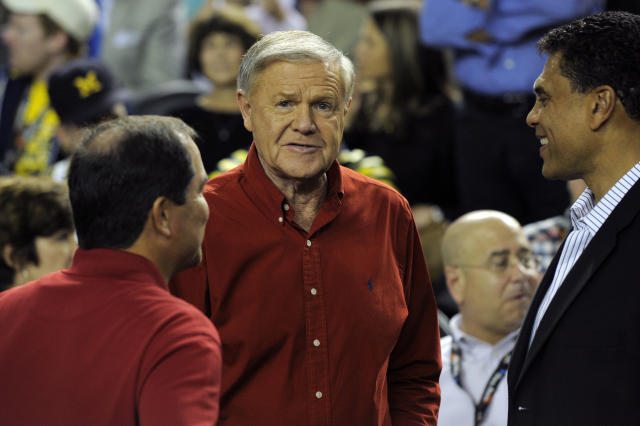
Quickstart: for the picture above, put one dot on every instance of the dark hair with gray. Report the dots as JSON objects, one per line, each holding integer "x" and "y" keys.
{"x": 296, "y": 47}
{"x": 118, "y": 172}
{"x": 602, "y": 49}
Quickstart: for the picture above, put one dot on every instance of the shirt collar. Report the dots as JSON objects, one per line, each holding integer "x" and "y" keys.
{"x": 117, "y": 265}
{"x": 584, "y": 214}
{"x": 272, "y": 201}
{"x": 466, "y": 339}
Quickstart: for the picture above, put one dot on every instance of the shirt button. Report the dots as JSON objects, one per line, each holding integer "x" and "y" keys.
{"x": 316, "y": 343}
{"x": 286, "y": 207}
{"x": 318, "y": 394}
{"x": 280, "y": 219}
{"x": 314, "y": 291}
{"x": 308, "y": 243}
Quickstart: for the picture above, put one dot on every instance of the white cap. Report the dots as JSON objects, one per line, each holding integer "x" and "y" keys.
{"x": 75, "y": 17}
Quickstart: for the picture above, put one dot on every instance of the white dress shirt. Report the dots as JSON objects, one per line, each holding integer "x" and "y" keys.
{"x": 586, "y": 220}
{"x": 479, "y": 361}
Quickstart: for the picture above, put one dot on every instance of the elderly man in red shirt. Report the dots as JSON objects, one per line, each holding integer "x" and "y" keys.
{"x": 103, "y": 342}
{"x": 313, "y": 273}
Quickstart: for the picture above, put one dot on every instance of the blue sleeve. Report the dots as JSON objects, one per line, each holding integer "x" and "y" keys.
{"x": 446, "y": 23}
{"x": 513, "y": 19}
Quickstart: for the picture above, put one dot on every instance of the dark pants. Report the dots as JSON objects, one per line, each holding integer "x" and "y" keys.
{"x": 498, "y": 163}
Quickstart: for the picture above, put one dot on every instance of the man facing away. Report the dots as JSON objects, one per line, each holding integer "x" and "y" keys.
{"x": 491, "y": 275}
{"x": 576, "y": 359}
{"x": 313, "y": 273}
{"x": 103, "y": 342}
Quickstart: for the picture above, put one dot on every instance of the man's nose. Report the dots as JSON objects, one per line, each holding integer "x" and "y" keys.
{"x": 533, "y": 116}
{"x": 303, "y": 121}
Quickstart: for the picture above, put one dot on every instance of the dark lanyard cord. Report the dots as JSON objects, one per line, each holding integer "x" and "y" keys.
{"x": 489, "y": 389}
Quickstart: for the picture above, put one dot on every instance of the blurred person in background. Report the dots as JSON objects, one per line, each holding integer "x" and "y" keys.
{"x": 40, "y": 36}
{"x": 269, "y": 15}
{"x": 83, "y": 93}
{"x": 491, "y": 274}
{"x": 36, "y": 229}
{"x": 495, "y": 62}
{"x": 403, "y": 113}
{"x": 217, "y": 41}
{"x": 143, "y": 41}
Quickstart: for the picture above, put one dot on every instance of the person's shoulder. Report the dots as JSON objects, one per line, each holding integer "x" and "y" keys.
{"x": 371, "y": 189}
{"x": 225, "y": 181}
{"x": 356, "y": 179}
{"x": 176, "y": 316}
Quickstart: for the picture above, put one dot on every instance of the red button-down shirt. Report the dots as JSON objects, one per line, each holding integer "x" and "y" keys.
{"x": 104, "y": 343}
{"x": 336, "y": 326}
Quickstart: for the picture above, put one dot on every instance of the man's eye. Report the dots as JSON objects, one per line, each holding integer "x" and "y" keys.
{"x": 324, "y": 106}
{"x": 284, "y": 104}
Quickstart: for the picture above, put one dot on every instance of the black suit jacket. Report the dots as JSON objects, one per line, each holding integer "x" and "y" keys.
{"x": 583, "y": 366}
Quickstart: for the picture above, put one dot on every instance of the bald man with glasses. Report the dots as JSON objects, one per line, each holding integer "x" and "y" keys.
{"x": 492, "y": 275}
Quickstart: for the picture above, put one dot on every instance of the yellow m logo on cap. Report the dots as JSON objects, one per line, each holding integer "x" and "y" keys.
{"x": 87, "y": 85}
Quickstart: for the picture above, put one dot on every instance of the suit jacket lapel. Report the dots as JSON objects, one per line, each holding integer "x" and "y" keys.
{"x": 522, "y": 344}
{"x": 589, "y": 261}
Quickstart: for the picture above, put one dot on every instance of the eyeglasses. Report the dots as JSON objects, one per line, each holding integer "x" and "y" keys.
{"x": 500, "y": 262}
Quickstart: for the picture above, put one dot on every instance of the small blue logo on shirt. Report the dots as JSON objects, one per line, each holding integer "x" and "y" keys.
{"x": 370, "y": 284}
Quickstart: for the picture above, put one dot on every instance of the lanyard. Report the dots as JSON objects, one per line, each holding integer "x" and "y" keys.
{"x": 491, "y": 386}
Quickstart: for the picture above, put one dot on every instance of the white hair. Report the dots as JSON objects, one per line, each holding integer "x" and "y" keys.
{"x": 293, "y": 46}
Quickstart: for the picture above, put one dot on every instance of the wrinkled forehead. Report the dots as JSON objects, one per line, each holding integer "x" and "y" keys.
{"x": 333, "y": 71}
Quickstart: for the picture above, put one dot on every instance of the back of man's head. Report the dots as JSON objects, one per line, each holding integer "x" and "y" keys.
{"x": 602, "y": 49}
{"x": 118, "y": 172}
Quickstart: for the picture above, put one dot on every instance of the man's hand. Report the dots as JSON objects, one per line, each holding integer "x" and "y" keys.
{"x": 479, "y": 36}
{"x": 480, "y": 4}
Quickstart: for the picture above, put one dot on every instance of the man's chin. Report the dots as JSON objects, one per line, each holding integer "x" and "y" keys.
{"x": 195, "y": 260}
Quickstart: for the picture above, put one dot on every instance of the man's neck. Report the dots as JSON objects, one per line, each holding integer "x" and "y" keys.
{"x": 304, "y": 195}
{"x": 620, "y": 153}
{"x": 491, "y": 337}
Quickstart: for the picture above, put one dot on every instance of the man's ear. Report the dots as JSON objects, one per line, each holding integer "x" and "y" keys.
{"x": 245, "y": 108}
{"x": 456, "y": 283}
{"x": 347, "y": 107}
{"x": 160, "y": 216}
{"x": 602, "y": 105}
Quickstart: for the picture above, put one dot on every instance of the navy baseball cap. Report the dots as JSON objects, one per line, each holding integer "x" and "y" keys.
{"x": 83, "y": 90}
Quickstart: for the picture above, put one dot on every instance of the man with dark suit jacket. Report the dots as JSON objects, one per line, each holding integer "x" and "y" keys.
{"x": 576, "y": 359}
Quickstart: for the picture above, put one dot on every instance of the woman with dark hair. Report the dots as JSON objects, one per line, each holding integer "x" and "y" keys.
{"x": 217, "y": 41}
{"x": 36, "y": 229}
{"x": 402, "y": 111}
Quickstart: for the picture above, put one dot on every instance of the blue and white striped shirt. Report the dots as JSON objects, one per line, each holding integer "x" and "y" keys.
{"x": 586, "y": 220}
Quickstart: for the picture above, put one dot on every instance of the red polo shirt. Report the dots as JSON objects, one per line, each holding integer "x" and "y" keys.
{"x": 104, "y": 343}
{"x": 336, "y": 326}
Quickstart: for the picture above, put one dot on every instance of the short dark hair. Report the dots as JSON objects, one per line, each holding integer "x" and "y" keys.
{"x": 120, "y": 169}
{"x": 217, "y": 22}
{"x": 30, "y": 207}
{"x": 602, "y": 49}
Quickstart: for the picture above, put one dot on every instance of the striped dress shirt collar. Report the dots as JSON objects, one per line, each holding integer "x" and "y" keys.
{"x": 585, "y": 215}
